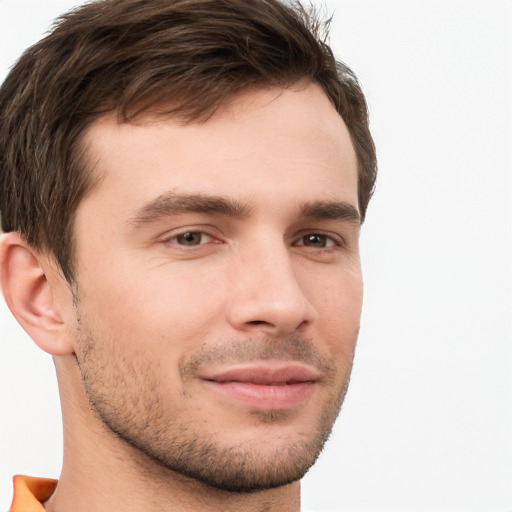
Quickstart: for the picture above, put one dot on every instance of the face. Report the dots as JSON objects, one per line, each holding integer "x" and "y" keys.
{"x": 219, "y": 287}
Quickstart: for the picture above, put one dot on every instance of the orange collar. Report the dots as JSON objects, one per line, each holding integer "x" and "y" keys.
{"x": 30, "y": 493}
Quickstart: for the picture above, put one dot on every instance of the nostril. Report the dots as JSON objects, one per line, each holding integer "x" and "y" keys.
{"x": 257, "y": 322}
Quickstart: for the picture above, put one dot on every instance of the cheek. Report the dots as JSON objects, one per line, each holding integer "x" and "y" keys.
{"x": 339, "y": 305}
{"x": 155, "y": 306}
{"x": 339, "y": 295}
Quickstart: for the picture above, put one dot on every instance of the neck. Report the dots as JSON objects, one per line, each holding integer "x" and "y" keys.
{"x": 101, "y": 472}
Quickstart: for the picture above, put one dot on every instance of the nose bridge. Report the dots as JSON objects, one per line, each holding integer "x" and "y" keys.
{"x": 268, "y": 295}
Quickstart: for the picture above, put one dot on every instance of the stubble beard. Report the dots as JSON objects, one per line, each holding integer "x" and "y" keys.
{"x": 125, "y": 395}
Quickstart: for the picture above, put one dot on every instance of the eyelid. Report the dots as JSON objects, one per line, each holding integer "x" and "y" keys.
{"x": 205, "y": 238}
{"x": 202, "y": 230}
{"x": 338, "y": 240}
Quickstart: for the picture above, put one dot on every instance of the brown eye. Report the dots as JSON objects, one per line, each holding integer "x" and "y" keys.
{"x": 316, "y": 240}
{"x": 191, "y": 238}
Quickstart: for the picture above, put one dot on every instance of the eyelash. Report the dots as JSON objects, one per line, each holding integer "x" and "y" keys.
{"x": 330, "y": 241}
{"x": 174, "y": 238}
{"x": 327, "y": 241}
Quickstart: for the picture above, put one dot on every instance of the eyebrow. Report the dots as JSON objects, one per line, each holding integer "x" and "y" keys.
{"x": 335, "y": 210}
{"x": 171, "y": 204}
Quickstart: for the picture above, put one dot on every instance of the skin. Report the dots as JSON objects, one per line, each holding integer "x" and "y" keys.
{"x": 268, "y": 277}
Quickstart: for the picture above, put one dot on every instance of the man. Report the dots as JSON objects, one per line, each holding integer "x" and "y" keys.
{"x": 183, "y": 184}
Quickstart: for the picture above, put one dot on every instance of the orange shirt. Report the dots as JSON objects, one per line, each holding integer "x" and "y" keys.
{"x": 30, "y": 492}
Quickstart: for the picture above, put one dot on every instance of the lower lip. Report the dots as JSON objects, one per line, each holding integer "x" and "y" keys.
{"x": 264, "y": 397}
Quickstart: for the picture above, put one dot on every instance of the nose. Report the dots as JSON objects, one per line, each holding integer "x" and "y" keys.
{"x": 267, "y": 296}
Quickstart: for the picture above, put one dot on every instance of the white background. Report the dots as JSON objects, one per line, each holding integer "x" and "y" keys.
{"x": 427, "y": 424}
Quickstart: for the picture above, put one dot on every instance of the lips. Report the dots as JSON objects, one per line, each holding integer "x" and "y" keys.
{"x": 263, "y": 386}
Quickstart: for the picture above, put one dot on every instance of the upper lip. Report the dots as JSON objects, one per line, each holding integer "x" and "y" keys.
{"x": 264, "y": 374}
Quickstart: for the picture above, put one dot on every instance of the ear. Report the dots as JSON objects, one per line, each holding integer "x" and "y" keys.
{"x": 32, "y": 287}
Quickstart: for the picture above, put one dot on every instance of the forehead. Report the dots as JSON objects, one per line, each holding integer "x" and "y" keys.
{"x": 273, "y": 140}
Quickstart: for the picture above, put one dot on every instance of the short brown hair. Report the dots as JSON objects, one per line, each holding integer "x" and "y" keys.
{"x": 133, "y": 56}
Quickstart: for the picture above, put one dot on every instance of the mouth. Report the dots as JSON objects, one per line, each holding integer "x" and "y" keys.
{"x": 263, "y": 386}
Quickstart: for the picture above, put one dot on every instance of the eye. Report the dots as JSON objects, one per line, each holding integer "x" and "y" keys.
{"x": 317, "y": 240}
{"x": 190, "y": 238}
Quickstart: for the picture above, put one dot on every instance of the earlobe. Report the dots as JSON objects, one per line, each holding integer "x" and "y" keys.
{"x": 31, "y": 295}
